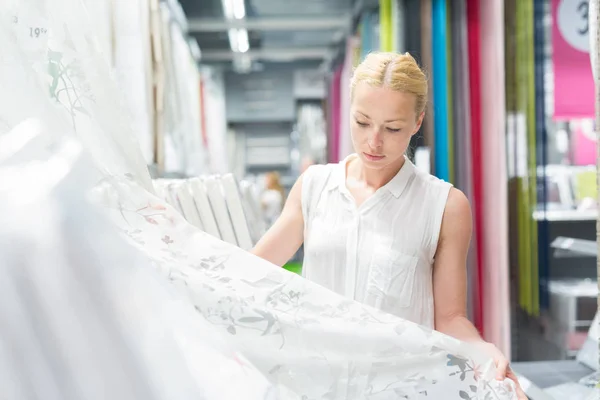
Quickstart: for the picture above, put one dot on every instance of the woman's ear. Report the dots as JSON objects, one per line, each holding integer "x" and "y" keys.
{"x": 419, "y": 123}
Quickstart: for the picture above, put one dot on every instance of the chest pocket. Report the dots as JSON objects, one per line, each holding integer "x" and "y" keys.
{"x": 391, "y": 279}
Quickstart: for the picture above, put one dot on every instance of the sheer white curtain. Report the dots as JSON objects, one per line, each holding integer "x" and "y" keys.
{"x": 83, "y": 316}
{"x": 308, "y": 342}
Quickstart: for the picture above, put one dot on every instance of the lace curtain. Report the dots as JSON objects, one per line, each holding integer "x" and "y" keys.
{"x": 309, "y": 343}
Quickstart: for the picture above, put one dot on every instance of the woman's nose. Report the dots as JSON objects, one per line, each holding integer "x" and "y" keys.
{"x": 375, "y": 138}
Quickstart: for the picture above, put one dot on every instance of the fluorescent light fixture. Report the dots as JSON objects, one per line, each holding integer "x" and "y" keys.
{"x": 238, "y": 40}
{"x": 227, "y": 8}
{"x": 233, "y": 39}
{"x": 238, "y": 37}
{"x": 243, "y": 43}
{"x": 234, "y": 9}
{"x": 239, "y": 9}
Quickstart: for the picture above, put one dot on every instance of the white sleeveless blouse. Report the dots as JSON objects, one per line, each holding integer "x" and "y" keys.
{"x": 381, "y": 253}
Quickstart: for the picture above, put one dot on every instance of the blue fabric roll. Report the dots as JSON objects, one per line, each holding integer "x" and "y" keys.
{"x": 440, "y": 90}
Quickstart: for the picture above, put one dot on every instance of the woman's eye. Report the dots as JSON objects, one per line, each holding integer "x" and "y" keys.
{"x": 362, "y": 123}
{"x": 393, "y": 130}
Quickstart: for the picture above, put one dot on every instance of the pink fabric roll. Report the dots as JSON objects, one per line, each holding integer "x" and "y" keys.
{"x": 345, "y": 143}
{"x": 496, "y": 304}
{"x": 474, "y": 22}
{"x": 335, "y": 116}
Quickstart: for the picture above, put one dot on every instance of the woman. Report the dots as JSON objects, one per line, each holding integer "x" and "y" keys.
{"x": 375, "y": 228}
{"x": 272, "y": 198}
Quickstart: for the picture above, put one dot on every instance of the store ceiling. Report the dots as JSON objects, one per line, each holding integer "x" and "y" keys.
{"x": 278, "y": 30}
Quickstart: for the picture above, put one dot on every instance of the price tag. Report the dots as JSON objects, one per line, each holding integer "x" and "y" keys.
{"x": 573, "y": 23}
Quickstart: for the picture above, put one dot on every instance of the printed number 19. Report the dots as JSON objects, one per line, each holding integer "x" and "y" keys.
{"x": 36, "y": 32}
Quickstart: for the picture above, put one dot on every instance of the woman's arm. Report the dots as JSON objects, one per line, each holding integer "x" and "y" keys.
{"x": 284, "y": 238}
{"x": 450, "y": 284}
{"x": 450, "y": 272}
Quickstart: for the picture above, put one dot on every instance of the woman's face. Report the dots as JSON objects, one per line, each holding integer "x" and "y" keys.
{"x": 382, "y": 121}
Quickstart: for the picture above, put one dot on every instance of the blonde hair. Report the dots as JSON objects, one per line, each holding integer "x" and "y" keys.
{"x": 395, "y": 71}
{"x": 274, "y": 183}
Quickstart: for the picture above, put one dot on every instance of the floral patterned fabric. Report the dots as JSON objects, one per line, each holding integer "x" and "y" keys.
{"x": 83, "y": 316}
{"x": 308, "y": 342}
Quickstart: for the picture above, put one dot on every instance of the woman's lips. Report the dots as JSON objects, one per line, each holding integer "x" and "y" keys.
{"x": 372, "y": 157}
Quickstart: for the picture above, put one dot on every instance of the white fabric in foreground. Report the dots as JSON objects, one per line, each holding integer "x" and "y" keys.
{"x": 82, "y": 315}
{"x": 310, "y": 343}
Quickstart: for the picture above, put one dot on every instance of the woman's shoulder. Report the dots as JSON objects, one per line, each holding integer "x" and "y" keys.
{"x": 319, "y": 173}
{"x": 430, "y": 181}
{"x": 320, "y": 169}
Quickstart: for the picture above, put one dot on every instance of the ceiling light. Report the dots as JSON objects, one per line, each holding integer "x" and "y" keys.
{"x": 242, "y": 41}
{"x": 227, "y": 8}
{"x": 239, "y": 9}
{"x": 233, "y": 39}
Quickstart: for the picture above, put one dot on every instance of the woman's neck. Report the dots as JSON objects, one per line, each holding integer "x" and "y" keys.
{"x": 373, "y": 178}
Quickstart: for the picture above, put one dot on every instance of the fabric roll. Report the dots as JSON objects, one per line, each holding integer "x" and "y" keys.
{"x": 133, "y": 63}
{"x": 473, "y": 20}
{"x": 427, "y": 64}
{"x": 398, "y": 24}
{"x": 366, "y": 35}
{"x": 411, "y": 35}
{"x": 540, "y": 44}
{"x": 526, "y": 174}
{"x": 451, "y": 87}
{"x": 462, "y": 137}
{"x": 440, "y": 83}
{"x": 496, "y": 310}
{"x": 345, "y": 140}
{"x": 336, "y": 104}
{"x": 386, "y": 31}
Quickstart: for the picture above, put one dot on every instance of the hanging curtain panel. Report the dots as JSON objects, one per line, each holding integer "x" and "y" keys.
{"x": 526, "y": 148}
{"x": 386, "y": 32}
{"x": 345, "y": 142}
{"x": 451, "y": 86}
{"x": 427, "y": 63}
{"x": 399, "y": 23}
{"x": 411, "y": 39}
{"x": 336, "y": 104}
{"x": 473, "y": 18}
{"x": 133, "y": 63}
{"x": 440, "y": 84}
{"x": 496, "y": 302}
{"x": 462, "y": 137}
{"x": 366, "y": 35}
{"x": 540, "y": 43}
{"x": 521, "y": 150}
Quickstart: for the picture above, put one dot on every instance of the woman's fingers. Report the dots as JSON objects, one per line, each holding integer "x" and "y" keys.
{"x": 520, "y": 393}
{"x": 501, "y": 368}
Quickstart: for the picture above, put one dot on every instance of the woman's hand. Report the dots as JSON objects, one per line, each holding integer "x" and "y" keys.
{"x": 503, "y": 369}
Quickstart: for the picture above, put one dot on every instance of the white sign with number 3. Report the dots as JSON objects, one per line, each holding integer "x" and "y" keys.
{"x": 573, "y": 24}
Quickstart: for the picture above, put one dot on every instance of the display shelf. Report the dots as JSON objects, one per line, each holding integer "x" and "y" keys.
{"x": 566, "y": 246}
{"x": 565, "y": 215}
